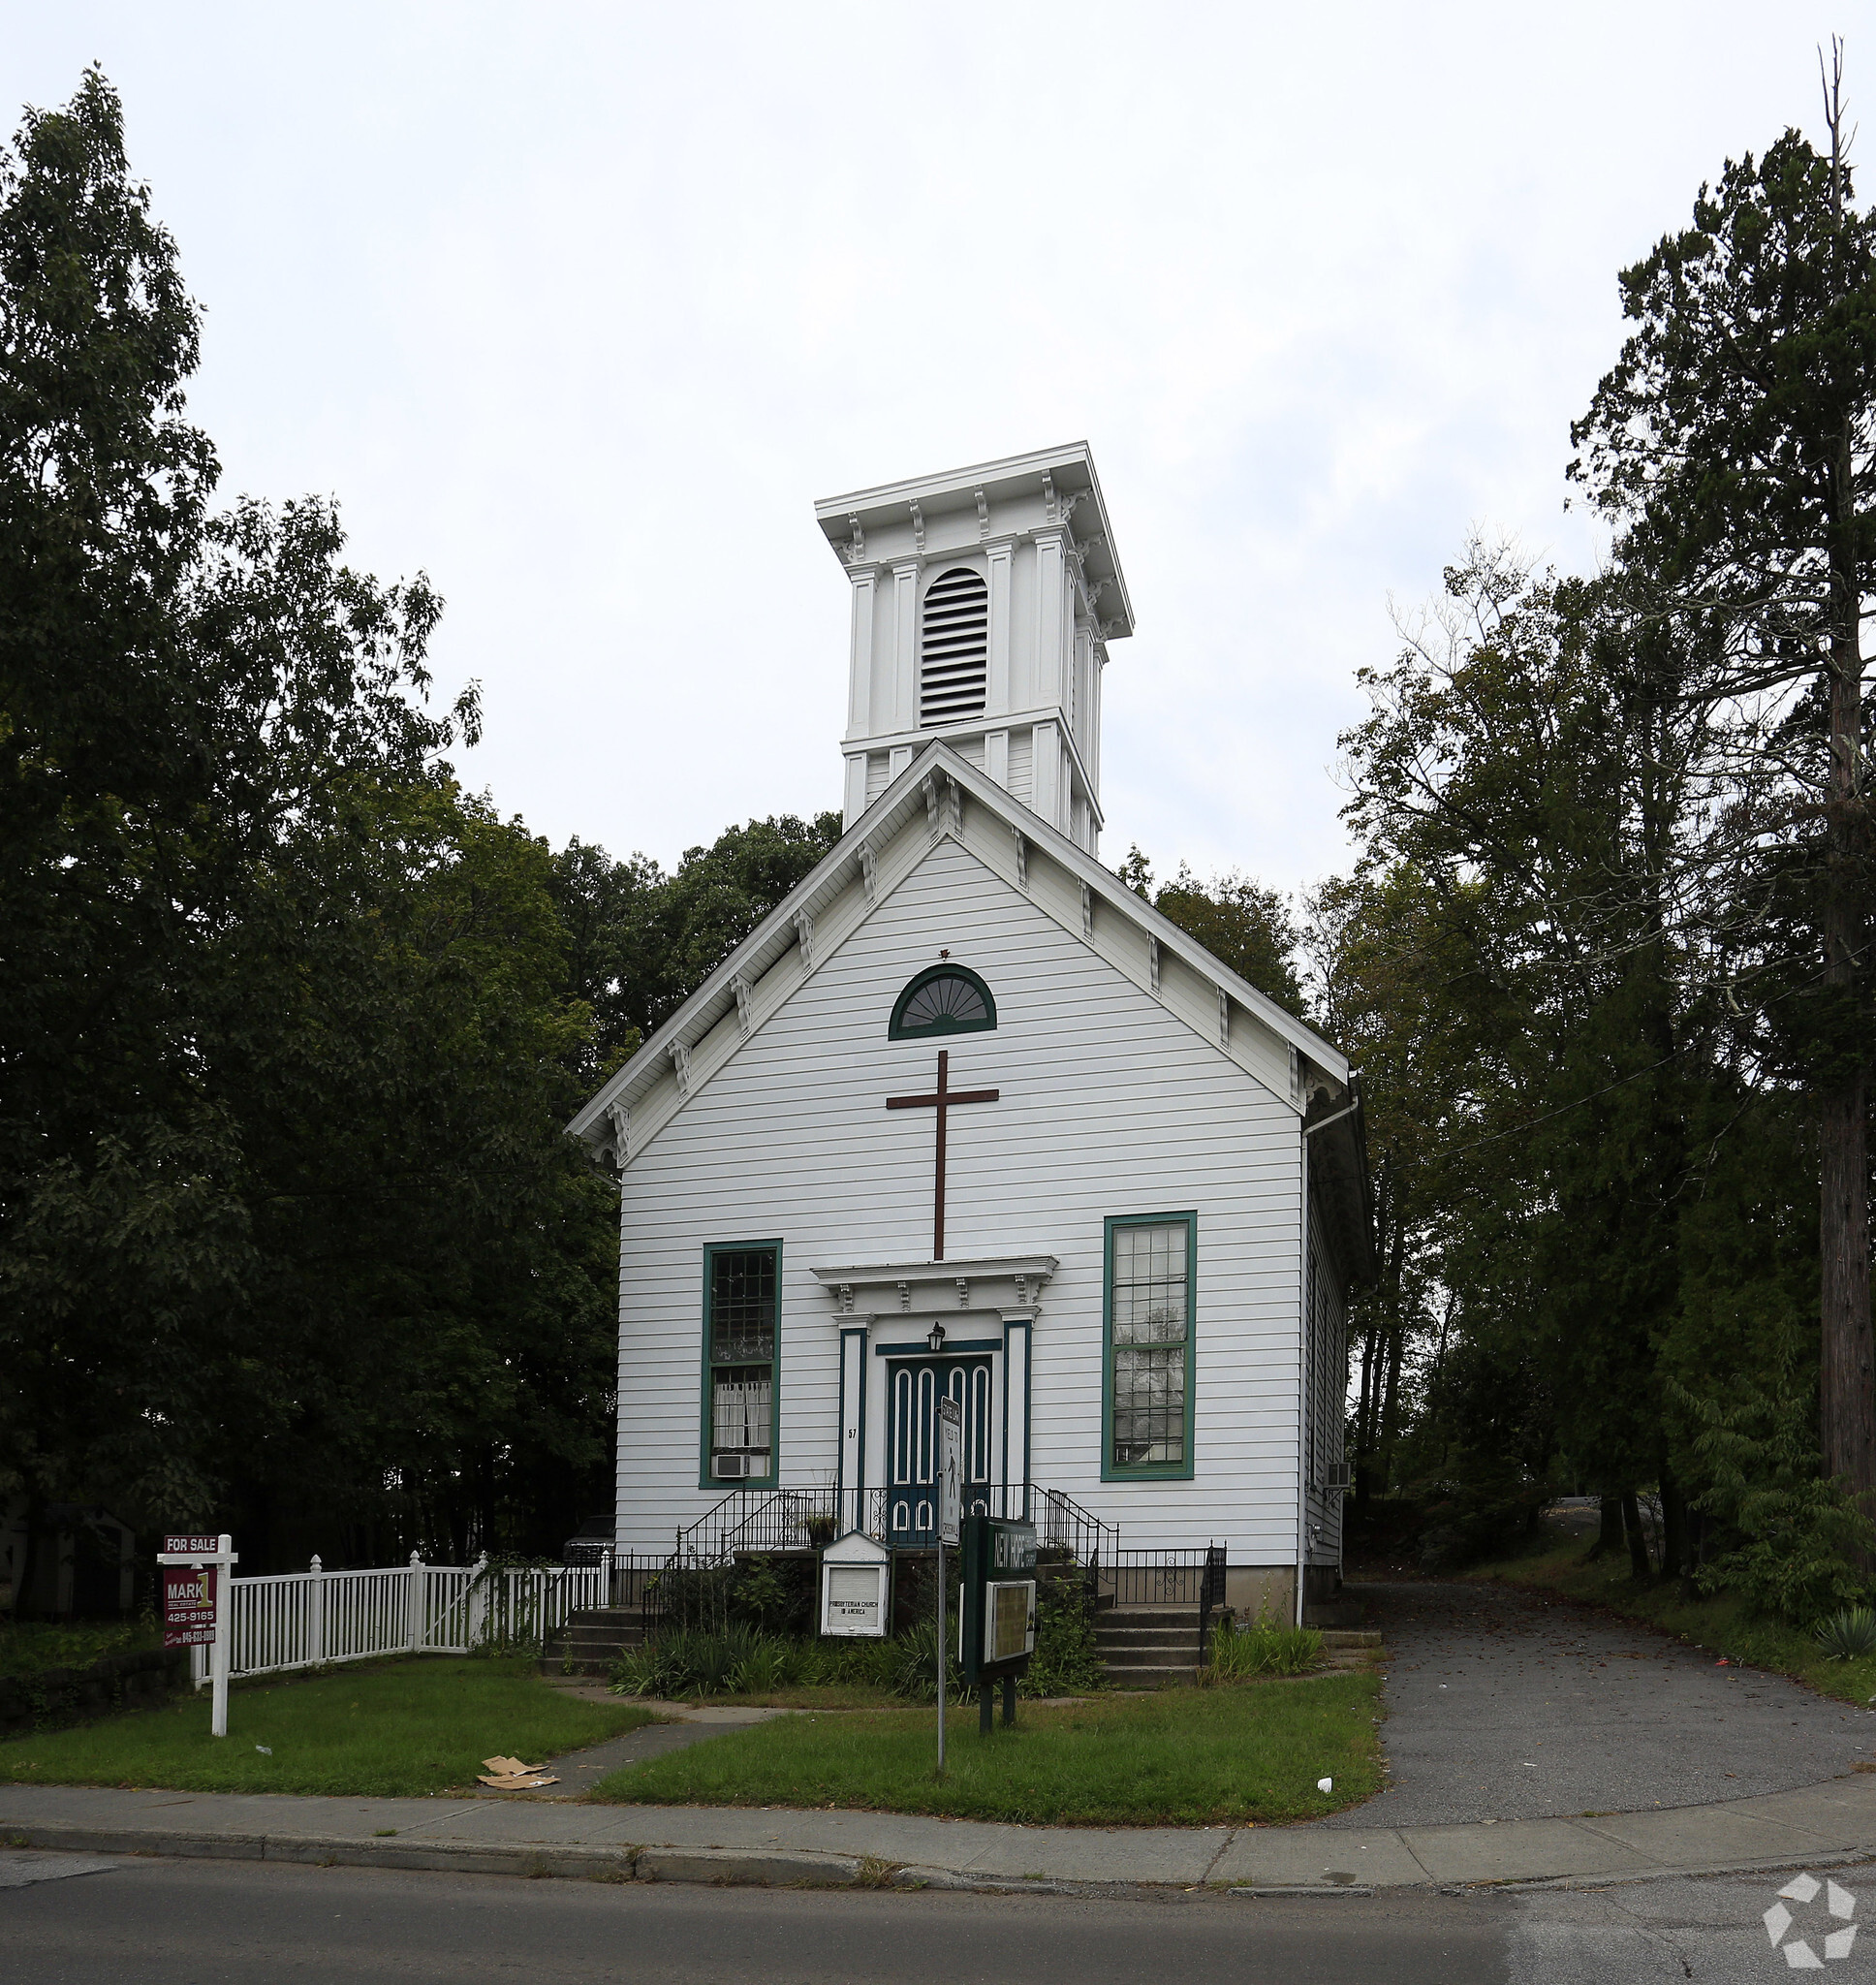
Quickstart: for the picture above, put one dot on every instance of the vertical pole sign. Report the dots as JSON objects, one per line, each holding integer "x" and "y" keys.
{"x": 195, "y": 1571}
{"x": 951, "y": 1516}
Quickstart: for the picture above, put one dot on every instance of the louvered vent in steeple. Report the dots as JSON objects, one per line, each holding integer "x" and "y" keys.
{"x": 954, "y": 651}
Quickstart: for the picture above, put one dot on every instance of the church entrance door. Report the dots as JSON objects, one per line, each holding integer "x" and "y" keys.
{"x": 914, "y": 1388}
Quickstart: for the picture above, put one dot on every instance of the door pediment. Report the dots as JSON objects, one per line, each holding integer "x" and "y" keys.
{"x": 995, "y": 1285}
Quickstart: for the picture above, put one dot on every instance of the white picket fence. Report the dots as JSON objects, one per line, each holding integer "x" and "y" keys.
{"x": 306, "y": 1618}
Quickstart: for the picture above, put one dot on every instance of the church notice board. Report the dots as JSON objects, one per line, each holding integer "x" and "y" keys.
{"x": 853, "y": 1584}
{"x": 997, "y": 1621}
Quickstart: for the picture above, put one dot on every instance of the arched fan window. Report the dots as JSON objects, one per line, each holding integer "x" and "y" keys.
{"x": 946, "y": 999}
{"x": 954, "y": 652}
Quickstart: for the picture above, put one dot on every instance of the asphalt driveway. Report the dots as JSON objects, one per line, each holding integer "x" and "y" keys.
{"x": 1504, "y": 1705}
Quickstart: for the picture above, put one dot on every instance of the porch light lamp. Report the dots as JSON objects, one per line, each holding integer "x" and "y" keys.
{"x": 935, "y": 1338}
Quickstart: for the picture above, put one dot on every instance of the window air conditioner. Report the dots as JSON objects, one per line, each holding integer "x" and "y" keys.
{"x": 729, "y": 1468}
{"x": 1338, "y": 1476}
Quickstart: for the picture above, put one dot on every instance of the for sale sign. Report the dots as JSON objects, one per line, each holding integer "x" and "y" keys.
{"x": 188, "y": 1605}
{"x": 191, "y": 1545}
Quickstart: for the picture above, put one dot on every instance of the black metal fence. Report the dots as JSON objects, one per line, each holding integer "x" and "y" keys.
{"x": 691, "y": 1579}
{"x": 1163, "y": 1578}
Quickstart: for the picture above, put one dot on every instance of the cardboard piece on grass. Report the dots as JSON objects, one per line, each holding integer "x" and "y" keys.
{"x": 510, "y": 1775}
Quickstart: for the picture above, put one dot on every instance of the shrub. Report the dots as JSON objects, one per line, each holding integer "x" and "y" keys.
{"x": 1067, "y": 1660}
{"x": 765, "y": 1666}
{"x": 738, "y": 1659}
{"x": 916, "y": 1675}
{"x": 850, "y": 1663}
{"x": 1263, "y": 1648}
{"x": 1800, "y": 1532}
{"x": 1849, "y": 1635}
{"x": 689, "y": 1661}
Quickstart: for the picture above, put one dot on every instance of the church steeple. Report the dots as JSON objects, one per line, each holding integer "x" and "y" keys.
{"x": 984, "y": 603}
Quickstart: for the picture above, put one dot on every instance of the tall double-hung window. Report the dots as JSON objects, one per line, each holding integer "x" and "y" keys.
{"x": 742, "y": 1362}
{"x": 1152, "y": 1269}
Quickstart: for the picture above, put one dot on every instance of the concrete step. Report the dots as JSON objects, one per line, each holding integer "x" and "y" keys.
{"x": 1167, "y": 1677}
{"x": 1184, "y": 1646}
{"x": 1127, "y": 1660}
{"x": 1147, "y": 1616}
{"x": 1346, "y": 1637}
{"x": 588, "y": 1643}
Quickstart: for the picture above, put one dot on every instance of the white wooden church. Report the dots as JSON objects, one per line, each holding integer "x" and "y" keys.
{"x": 965, "y": 1116}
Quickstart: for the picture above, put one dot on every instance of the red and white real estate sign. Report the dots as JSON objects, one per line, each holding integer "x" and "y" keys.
{"x": 188, "y": 1605}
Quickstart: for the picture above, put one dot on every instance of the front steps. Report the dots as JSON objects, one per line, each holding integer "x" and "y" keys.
{"x": 1347, "y": 1650}
{"x": 1148, "y": 1647}
{"x": 588, "y": 1643}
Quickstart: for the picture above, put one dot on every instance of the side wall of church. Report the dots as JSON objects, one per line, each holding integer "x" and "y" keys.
{"x": 1111, "y": 1104}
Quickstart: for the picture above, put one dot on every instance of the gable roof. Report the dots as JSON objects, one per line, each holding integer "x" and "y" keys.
{"x": 731, "y": 987}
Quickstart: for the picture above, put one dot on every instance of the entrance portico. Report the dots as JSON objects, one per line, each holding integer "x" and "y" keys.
{"x": 914, "y": 1332}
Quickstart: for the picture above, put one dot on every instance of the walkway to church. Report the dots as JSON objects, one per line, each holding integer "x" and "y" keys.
{"x": 1529, "y": 1743}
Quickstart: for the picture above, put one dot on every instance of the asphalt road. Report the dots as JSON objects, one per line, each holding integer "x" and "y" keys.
{"x": 155, "y": 1922}
{"x": 1502, "y": 1705}
{"x": 148, "y": 1922}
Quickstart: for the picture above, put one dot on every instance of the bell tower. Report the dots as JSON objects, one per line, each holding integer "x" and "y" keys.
{"x": 984, "y": 604}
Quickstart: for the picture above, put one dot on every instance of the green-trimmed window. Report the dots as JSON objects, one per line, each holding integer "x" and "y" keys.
{"x": 741, "y": 1359}
{"x": 1151, "y": 1277}
{"x": 943, "y": 1000}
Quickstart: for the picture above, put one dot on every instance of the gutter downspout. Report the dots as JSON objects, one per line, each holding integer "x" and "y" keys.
{"x": 1307, "y": 1338}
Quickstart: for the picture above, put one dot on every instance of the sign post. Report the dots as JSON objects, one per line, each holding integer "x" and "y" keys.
{"x": 951, "y": 1514}
{"x": 194, "y": 1606}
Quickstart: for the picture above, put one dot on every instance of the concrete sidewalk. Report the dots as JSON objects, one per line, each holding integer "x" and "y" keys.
{"x": 1817, "y": 1826}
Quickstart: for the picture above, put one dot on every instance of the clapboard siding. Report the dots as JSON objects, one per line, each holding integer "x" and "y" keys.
{"x": 1112, "y": 1102}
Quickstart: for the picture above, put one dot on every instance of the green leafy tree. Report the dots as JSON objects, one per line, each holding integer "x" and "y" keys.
{"x": 642, "y": 941}
{"x": 287, "y": 1231}
{"x": 1735, "y": 444}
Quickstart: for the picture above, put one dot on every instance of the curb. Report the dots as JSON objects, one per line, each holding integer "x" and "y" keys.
{"x": 719, "y": 1866}
{"x": 772, "y": 1867}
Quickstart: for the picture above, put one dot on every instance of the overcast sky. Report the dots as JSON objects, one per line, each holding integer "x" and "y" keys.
{"x": 579, "y": 308}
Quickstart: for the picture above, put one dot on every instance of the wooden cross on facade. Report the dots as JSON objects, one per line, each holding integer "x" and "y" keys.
{"x": 941, "y": 1101}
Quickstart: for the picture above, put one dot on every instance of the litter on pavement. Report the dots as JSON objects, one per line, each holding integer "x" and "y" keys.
{"x": 510, "y": 1775}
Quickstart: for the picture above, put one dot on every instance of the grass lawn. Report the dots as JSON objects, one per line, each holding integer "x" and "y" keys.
{"x": 387, "y": 1728}
{"x": 1182, "y": 1756}
{"x": 1722, "y": 1624}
